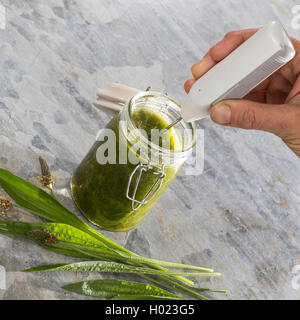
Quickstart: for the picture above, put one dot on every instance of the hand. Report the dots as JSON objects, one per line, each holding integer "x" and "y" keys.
{"x": 273, "y": 106}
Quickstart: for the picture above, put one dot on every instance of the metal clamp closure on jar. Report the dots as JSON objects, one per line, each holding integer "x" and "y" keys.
{"x": 139, "y": 169}
{"x": 123, "y": 98}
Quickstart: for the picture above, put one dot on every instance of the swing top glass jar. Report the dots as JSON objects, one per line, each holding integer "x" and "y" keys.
{"x": 130, "y": 166}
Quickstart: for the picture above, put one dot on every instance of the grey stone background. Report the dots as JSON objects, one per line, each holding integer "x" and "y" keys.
{"x": 240, "y": 217}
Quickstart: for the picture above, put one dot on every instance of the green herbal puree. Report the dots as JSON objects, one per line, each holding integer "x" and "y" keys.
{"x": 100, "y": 190}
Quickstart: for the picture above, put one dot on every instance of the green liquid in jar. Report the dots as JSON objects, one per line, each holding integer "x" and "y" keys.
{"x": 99, "y": 190}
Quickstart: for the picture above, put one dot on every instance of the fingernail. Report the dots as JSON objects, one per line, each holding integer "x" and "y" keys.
{"x": 221, "y": 114}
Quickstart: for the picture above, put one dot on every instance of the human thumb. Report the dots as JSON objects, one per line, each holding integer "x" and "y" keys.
{"x": 245, "y": 114}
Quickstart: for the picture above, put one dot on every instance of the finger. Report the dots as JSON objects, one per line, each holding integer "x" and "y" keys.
{"x": 188, "y": 85}
{"x": 273, "y": 90}
{"x": 277, "y": 82}
{"x": 231, "y": 41}
{"x": 221, "y": 50}
{"x": 200, "y": 68}
{"x": 291, "y": 70}
{"x": 281, "y": 120}
{"x": 256, "y": 96}
{"x": 278, "y": 89}
{"x": 295, "y": 92}
{"x": 296, "y": 61}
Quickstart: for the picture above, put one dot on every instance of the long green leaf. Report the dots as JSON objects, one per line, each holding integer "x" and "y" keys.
{"x": 178, "y": 286}
{"x": 63, "y": 232}
{"x": 65, "y": 241}
{"x": 117, "y": 255}
{"x": 13, "y": 228}
{"x": 39, "y": 202}
{"x": 29, "y": 197}
{"x": 73, "y": 241}
{"x": 69, "y": 252}
{"x": 106, "y": 266}
{"x": 210, "y": 290}
{"x": 113, "y": 288}
{"x": 143, "y": 297}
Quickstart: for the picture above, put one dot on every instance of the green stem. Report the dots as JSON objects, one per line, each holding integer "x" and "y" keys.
{"x": 114, "y": 245}
{"x": 120, "y": 248}
{"x": 52, "y": 191}
{"x": 184, "y": 288}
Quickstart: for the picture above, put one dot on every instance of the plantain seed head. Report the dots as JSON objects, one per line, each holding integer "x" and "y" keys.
{"x": 42, "y": 236}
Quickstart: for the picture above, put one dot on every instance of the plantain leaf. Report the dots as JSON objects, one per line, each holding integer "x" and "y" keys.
{"x": 143, "y": 297}
{"x": 63, "y": 232}
{"x": 39, "y": 202}
{"x": 140, "y": 259}
{"x": 106, "y": 266}
{"x": 75, "y": 242}
{"x": 58, "y": 237}
{"x": 12, "y": 228}
{"x": 113, "y": 288}
{"x": 69, "y": 252}
{"x": 124, "y": 257}
{"x": 71, "y": 235}
{"x": 210, "y": 290}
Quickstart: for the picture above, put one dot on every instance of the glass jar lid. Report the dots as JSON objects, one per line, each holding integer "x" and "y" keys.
{"x": 143, "y": 134}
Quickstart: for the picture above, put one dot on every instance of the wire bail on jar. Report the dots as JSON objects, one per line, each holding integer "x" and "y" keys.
{"x": 139, "y": 169}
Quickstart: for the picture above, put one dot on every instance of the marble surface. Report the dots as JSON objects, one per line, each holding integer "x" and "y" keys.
{"x": 240, "y": 217}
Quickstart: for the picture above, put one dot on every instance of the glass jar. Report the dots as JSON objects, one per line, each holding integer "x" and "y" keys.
{"x": 121, "y": 178}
